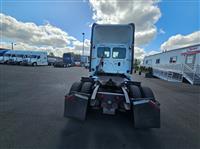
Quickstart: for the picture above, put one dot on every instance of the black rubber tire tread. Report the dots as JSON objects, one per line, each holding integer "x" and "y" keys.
{"x": 134, "y": 91}
{"x": 86, "y": 88}
{"x": 147, "y": 92}
{"x": 76, "y": 86}
{"x": 34, "y": 64}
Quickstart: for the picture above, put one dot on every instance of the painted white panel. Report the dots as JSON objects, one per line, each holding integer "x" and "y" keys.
{"x": 179, "y": 53}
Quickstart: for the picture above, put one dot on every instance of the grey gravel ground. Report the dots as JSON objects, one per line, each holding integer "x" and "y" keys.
{"x": 31, "y": 114}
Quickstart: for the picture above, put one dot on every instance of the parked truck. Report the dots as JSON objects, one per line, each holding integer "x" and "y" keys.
{"x": 110, "y": 86}
{"x": 68, "y": 59}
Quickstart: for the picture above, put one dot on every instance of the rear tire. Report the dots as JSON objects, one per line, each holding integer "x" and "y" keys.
{"x": 76, "y": 86}
{"x": 134, "y": 91}
{"x": 86, "y": 88}
{"x": 147, "y": 93}
{"x": 34, "y": 64}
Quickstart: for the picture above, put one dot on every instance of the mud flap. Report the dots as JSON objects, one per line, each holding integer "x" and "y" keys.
{"x": 146, "y": 114}
{"x": 76, "y": 106}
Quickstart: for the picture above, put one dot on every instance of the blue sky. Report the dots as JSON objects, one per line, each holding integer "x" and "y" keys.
{"x": 180, "y": 17}
{"x": 72, "y": 17}
{"x": 177, "y": 18}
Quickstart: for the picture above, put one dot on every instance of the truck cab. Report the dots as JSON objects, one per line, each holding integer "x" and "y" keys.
{"x": 35, "y": 58}
{"x": 68, "y": 59}
{"x": 112, "y": 49}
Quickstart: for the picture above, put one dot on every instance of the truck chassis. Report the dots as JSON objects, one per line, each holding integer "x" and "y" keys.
{"x": 113, "y": 93}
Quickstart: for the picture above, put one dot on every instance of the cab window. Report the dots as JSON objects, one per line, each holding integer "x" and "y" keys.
{"x": 119, "y": 53}
{"x": 33, "y": 56}
{"x": 103, "y": 52}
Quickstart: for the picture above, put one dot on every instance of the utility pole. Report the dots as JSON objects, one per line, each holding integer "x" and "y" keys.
{"x": 83, "y": 42}
{"x": 12, "y": 45}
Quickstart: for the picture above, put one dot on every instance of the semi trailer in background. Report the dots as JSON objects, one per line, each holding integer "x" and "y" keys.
{"x": 66, "y": 61}
{"x": 68, "y": 58}
{"x": 110, "y": 86}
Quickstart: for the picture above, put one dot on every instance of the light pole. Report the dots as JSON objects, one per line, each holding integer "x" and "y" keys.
{"x": 12, "y": 45}
{"x": 83, "y": 42}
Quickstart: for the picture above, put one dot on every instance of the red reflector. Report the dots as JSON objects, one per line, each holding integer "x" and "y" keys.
{"x": 154, "y": 104}
{"x": 69, "y": 97}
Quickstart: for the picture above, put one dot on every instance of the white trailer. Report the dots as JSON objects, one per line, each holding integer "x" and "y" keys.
{"x": 177, "y": 64}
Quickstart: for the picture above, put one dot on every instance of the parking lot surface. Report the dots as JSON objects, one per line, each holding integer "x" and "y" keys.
{"x": 31, "y": 114}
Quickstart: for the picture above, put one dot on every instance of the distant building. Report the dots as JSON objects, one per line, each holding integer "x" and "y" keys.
{"x": 176, "y": 64}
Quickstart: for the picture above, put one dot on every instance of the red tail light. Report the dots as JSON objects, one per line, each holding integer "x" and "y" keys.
{"x": 67, "y": 97}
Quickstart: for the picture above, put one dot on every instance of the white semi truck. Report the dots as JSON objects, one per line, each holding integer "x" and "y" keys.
{"x": 110, "y": 87}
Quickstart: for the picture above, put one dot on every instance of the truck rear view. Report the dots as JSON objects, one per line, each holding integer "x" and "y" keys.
{"x": 110, "y": 87}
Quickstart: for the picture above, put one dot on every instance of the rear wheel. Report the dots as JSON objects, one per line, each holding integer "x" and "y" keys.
{"x": 86, "y": 88}
{"x": 134, "y": 91}
{"x": 34, "y": 64}
{"x": 76, "y": 86}
{"x": 147, "y": 93}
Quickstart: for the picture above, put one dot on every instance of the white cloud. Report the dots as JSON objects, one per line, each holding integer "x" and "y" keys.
{"x": 31, "y": 33}
{"x": 58, "y": 51}
{"x": 178, "y": 41}
{"x": 29, "y": 36}
{"x": 152, "y": 53}
{"x": 139, "y": 53}
{"x": 143, "y": 13}
{"x": 161, "y": 31}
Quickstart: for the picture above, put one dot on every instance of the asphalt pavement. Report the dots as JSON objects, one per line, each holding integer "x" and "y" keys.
{"x": 31, "y": 114}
